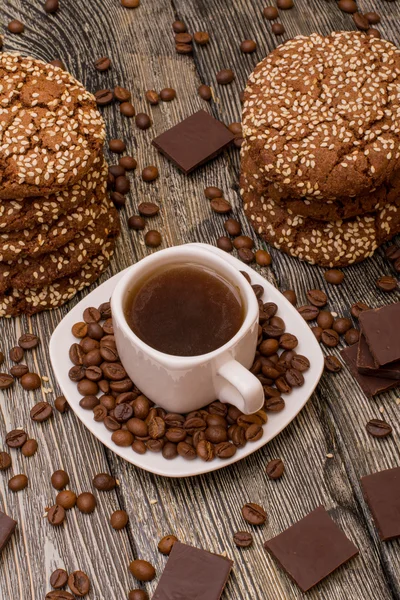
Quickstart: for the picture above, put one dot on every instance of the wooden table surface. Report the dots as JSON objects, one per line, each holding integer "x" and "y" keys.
{"x": 204, "y": 511}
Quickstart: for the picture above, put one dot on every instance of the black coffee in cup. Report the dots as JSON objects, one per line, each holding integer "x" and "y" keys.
{"x": 184, "y": 310}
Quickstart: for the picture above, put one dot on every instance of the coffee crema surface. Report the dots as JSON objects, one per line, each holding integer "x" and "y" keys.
{"x": 184, "y": 310}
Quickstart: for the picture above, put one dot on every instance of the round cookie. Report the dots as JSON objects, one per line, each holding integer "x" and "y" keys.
{"x": 32, "y": 301}
{"x": 41, "y": 271}
{"x": 20, "y": 213}
{"x": 321, "y": 115}
{"x": 329, "y": 210}
{"x": 50, "y": 129}
{"x": 47, "y": 238}
{"x": 329, "y": 244}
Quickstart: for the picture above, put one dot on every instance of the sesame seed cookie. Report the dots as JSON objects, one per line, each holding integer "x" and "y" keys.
{"x": 38, "y": 272}
{"x": 321, "y": 115}
{"x": 34, "y": 300}
{"x": 45, "y": 238}
{"x": 329, "y": 210}
{"x": 17, "y": 214}
{"x": 329, "y": 244}
{"x": 50, "y": 129}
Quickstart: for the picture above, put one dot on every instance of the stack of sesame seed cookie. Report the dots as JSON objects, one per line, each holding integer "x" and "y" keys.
{"x": 320, "y": 163}
{"x": 57, "y": 224}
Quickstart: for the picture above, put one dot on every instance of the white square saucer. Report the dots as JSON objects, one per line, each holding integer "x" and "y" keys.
{"x": 62, "y": 339}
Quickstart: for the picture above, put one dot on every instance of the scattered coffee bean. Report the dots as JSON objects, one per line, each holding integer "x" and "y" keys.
{"x": 360, "y": 21}
{"x": 79, "y": 583}
{"x": 104, "y": 482}
{"x": 372, "y": 17}
{"x": 357, "y": 308}
{"x": 16, "y": 26}
{"x": 102, "y": 64}
{"x": 166, "y": 543}
{"x": 284, "y": 4}
{"x": 167, "y": 94}
{"x": 56, "y": 515}
{"x": 30, "y": 381}
{"x": 243, "y": 241}
{"x": 142, "y": 121}
{"x": 29, "y": 448}
{"x": 61, "y": 404}
{"x": 352, "y": 336}
{"x": 254, "y": 514}
{"x": 57, "y": 63}
{"x": 51, "y": 6}
{"x": 152, "y": 97}
{"x": 42, "y": 411}
{"x": 118, "y": 199}
{"x": 179, "y": 27}
{"x": 372, "y": 32}
{"x": 270, "y": 13}
{"x": 278, "y": 29}
{"x": 16, "y": 354}
{"x": 317, "y": 298}
{"x": 387, "y": 283}
{"x": 119, "y": 519}
{"x": 59, "y": 479}
{"x": 275, "y": 468}
{"x": 330, "y": 338}
{"x": 86, "y": 502}
{"x": 300, "y": 363}
{"x": 2, "y": 358}
{"x": 18, "y": 483}
{"x": 201, "y": 38}
{"x": 183, "y": 38}
{"x": 148, "y": 209}
{"x": 127, "y": 109}
{"x": 153, "y": 238}
{"x": 378, "y": 428}
{"x": 104, "y": 97}
{"x": 79, "y": 330}
{"x": 59, "y": 595}
{"x": 224, "y": 243}
{"x": 117, "y": 146}
{"x": 332, "y": 364}
{"x": 116, "y": 171}
{"x": 5, "y": 461}
{"x": 128, "y": 163}
{"x": 347, "y": 6}
{"x": 19, "y": 370}
{"x": 225, "y": 76}
{"x": 150, "y": 173}
{"x": 138, "y": 595}
{"x": 220, "y": 206}
{"x": 66, "y": 499}
{"x": 205, "y": 92}
{"x": 341, "y": 325}
{"x": 325, "y": 319}
{"x": 233, "y": 227}
{"x": 308, "y": 312}
{"x": 334, "y": 276}
{"x": 184, "y": 48}
{"x": 246, "y": 255}
{"x": 16, "y": 438}
{"x": 212, "y": 192}
{"x": 242, "y": 539}
{"x": 130, "y": 3}
{"x": 248, "y": 46}
{"x": 263, "y": 258}
{"x": 142, "y": 570}
{"x": 291, "y": 296}
{"x": 122, "y": 94}
{"x": 58, "y": 579}
{"x": 28, "y": 341}
{"x": 136, "y": 222}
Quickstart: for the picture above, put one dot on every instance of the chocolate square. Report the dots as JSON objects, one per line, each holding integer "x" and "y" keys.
{"x": 367, "y": 365}
{"x": 382, "y": 494}
{"x": 7, "y": 527}
{"x": 193, "y": 573}
{"x": 311, "y": 549}
{"x": 381, "y": 327}
{"x": 194, "y": 141}
{"x": 369, "y": 385}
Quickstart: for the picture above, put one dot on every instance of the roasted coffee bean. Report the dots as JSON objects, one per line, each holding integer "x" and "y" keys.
{"x": 278, "y": 29}
{"x": 76, "y": 354}
{"x": 79, "y": 583}
{"x": 86, "y": 503}
{"x": 56, "y": 515}
{"x": 332, "y": 364}
{"x": 104, "y": 482}
{"x": 141, "y": 407}
{"x": 122, "y": 186}
{"x": 87, "y": 387}
{"x": 201, "y": 38}
{"x": 221, "y": 206}
{"x": 30, "y": 381}
{"x": 59, "y": 595}
{"x": 274, "y": 328}
{"x": 61, "y": 404}
{"x": 117, "y": 146}
{"x": 330, "y": 338}
{"x": 5, "y": 461}
{"x": 347, "y": 6}
{"x": 204, "y": 92}
{"x": 150, "y": 173}
{"x": 57, "y": 63}
{"x": 116, "y": 171}
{"x": 246, "y": 255}
{"x": 87, "y": 344}
{"x": 2, "y": 358}
{"x": 79, "y": 330}
{"x": 51, "y": 6}
{"x": 183, "y": 38}
{"x": 111, "y": 424}
{"x": 288, "y": 341}
{"x": 378, "y": 428}
{"x": 28, "y": 341}
{"x": 77, "y": 373}
{"x": 248, "y": 46}
{"x": 99, "y": 413}
{"x": 360, "y": 21}
{"x": 166, "y": 543}
{"x": 270, "y": 13}
{"x": 123, "y": 412}
{"x": 142, "y": 570}
{"x": 143, "y": 121}
{"x": 16, "y": 26}
{"x": 372, "y": 17}
{"x": 16, "y": 354}
{"x": 212, "y": 192}
{"x": 19, "y": 370}
{"x": 104, "y": 97}
{"x": 58, "y": 579}
{"x": 152, "y": 97}
{"x": 122, "y": 438}
{"x": 18, "y": 483}
{"x": 284, "y": 4}
{"x": 136, "y": 222}
{"x": 269, "y": 347}
{"x": 153, "y": 239}
{"x": 233, "y": 227}
{"x": 216, "y": 434}
{"x": 282, "y": 385}
{"x": 66, "y": 499}
{"x": 225, "y": 450}
{"x": 59, "y": 479}
{"x": 242, "y": 539}
{"x": 352, "y": 336}
{"x": 186, "y": 451}
{"x": 387, "y": 283}
{"x": 113, "y": 371}
{"x": 169, "y": 451}
{"x": 139, "y": 447}
{"x": 139, "y": 428}
{"x": 243, "y": 241}
{"x": 102, "y": 64}
{"x": 317, "y": 331}
{"x": 104, "y": 386}
{"x": 205, "y": 450}
{"x": 317, "y": 298}
{"x": 167, "y": 94}
{"x": 118, "y": 199}
{"x": 148, "y": 209}
{"x": 225, "y": 76}
{"x": 254, "y": 433}
{"x": 275, "y": 468}
{"x": 263, "y": 258}
{"x": 179, "y": 27}
{"x": 6, "y": 381}
{"x": 121, "y": 94}
{"x": 156, "y": 427}
{"x": 42, "y": 411}
{"x": 308, "y": 312}
{"x": 237, "y": 436}
{"x": 258, "y": 290}
{"x": 130, "y": 3}
{"x": 128, "y": 163}
{"x": 357, "y": 308}
{"x": 325, "y": 319}
{"x": 392, "y": 252}
{"x": 294, "y": 378}
{"x": 274, "y": 403}
{"x": 184, "y": 48}
{"x": 119, "y": 519}
{"x": 94, "y": 373}
{"x": 224, "y": 243}
{"x": 127, "y": 109}
{"x": 16, "y": 438}
{"x": 254, "y": 514}
{"x": 341, "y": 325}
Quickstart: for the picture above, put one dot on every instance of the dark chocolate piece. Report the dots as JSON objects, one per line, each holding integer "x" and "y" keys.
{"x": 7, "y": 527}
{"x": 194, "y": 141}
{"x": 381, "y": 327}
{"x": 382, "y": 493}
{"x": 193, "y": 573}
{"x": 369, "y": 385}
{"x": 367, "y": 366}
{"x": 311, "y": 549}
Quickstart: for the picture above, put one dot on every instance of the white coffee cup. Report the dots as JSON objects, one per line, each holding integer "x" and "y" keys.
{"x": 183, "y": 384}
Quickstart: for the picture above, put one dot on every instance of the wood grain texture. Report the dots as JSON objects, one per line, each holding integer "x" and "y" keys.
{"x": 204, "y": 511}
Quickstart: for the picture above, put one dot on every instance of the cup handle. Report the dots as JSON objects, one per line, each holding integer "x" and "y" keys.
{"x": 236, "y": 385}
